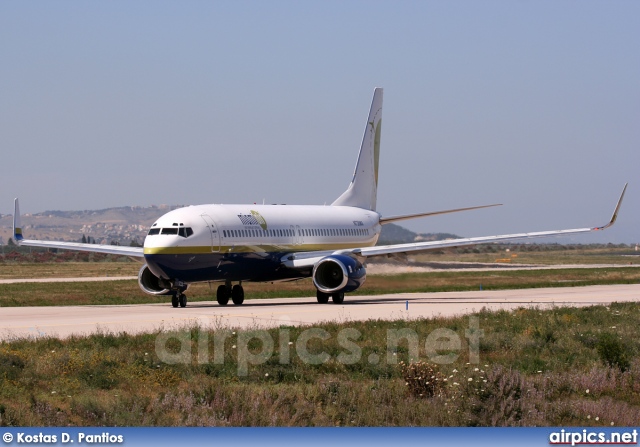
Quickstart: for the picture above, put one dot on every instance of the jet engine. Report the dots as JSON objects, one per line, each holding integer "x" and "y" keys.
{"x": 151, "y": 284}
{"x": 338, "y": 273}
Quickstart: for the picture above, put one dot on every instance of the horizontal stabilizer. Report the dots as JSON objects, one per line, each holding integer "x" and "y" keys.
{"x": 386, "y": 220}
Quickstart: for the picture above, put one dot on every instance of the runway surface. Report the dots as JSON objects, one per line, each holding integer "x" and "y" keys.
{"x": 64, "y": 321}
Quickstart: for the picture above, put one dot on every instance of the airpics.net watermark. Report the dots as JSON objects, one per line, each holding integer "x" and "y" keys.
{"x": 257, "y": 346}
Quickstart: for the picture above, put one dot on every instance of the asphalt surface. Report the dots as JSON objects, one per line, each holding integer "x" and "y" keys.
{"x": 64, "y": 321}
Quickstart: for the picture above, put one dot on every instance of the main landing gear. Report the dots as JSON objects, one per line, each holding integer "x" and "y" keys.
{"x": 179, "y": 299}
{"x": 323, "y": 298}
{"x": 225, "y": 291}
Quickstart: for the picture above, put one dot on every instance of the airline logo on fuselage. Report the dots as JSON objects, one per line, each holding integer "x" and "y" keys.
{"x": 253, "y": 219}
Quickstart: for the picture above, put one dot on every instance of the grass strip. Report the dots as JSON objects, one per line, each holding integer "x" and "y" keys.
{"x": 558, "y": 367}
{"x": 128, "y": 292}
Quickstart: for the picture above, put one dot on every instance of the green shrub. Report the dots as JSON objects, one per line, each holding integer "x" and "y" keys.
{"x": 613, "y": 352}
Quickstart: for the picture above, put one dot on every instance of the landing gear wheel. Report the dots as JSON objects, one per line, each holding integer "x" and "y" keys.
{"x": 337, "y": 298}
{"x": 237, "y": 294}
{"x": 174, "y": 300}
{"x": 183, "y": 300}
{"x": 222, "y": 295}
{"x": 323, "y": 298}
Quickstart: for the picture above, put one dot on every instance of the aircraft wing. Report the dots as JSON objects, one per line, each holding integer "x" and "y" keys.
{"x": 309, "y": 259}
{"x": 136, "y": 252}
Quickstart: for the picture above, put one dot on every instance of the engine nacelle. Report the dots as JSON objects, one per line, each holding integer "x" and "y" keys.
{"x": 151, "y": 284}
{"x": 338, "y": 273}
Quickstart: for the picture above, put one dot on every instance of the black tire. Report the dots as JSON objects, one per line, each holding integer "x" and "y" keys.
{"x": 222, "y": 295}
{"x": 337, "y": 298}
{"x": 174, "y": 300}
{"x": 183, "y": 300}
{"x": 237, "y": 295}
{"x": 323, "y": 298}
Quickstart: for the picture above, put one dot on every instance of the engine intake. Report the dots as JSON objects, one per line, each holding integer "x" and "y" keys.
{"x": 338, "y": 273}
{"x": 151, "y": 284}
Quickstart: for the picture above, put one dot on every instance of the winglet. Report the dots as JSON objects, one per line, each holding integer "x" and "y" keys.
{"x": 615, "y": 212}
{"x": 17, "y": 226}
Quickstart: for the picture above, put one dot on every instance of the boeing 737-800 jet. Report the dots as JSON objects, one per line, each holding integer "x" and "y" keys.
{"x": 236, "y": 243}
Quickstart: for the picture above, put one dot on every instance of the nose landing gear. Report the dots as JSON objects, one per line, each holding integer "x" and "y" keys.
{"x": 178, "y": 298}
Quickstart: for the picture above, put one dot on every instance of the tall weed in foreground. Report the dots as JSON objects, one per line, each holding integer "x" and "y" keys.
{"x": 423, "y": 379}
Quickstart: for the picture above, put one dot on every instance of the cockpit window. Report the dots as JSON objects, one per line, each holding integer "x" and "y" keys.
{"x": 182, "y": 231}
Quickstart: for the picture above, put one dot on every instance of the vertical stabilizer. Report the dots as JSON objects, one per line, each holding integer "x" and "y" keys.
{"x": 363, "y": 190}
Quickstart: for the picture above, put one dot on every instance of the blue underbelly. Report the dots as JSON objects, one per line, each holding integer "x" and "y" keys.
{"x": 222, "y": 267}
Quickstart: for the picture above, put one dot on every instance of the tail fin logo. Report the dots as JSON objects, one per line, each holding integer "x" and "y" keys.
{"x": 376, "y": 150}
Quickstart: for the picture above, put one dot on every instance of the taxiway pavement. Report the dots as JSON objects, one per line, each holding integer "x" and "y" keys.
{"x": 63, "y": 321}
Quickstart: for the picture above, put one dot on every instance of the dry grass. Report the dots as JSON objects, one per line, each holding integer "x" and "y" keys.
{"x": 128, "y": 292}
{"x": 536, "y": 368}
{"x": 540, "y": 254}
{"x": 31, "y": 270}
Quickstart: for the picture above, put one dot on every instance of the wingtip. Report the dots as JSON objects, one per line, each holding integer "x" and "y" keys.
{"x": 17, "y": 226}
{"x": 614, "y": 216}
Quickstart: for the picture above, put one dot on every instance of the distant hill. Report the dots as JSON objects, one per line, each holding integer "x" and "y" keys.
{"x": 121, "y": 225}
{"x": 131, "y": 223}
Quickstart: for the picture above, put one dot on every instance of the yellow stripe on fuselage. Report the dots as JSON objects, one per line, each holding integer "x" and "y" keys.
{"x": 250, "y": 248}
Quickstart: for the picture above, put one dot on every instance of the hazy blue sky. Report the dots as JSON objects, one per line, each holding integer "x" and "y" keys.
{"x": 532, "y": 104}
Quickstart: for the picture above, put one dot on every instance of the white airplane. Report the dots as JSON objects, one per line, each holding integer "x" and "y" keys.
{"x": 237, "y": 243}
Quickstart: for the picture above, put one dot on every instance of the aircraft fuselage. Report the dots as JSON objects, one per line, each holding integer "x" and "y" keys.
{"x": 247, "y": 242}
